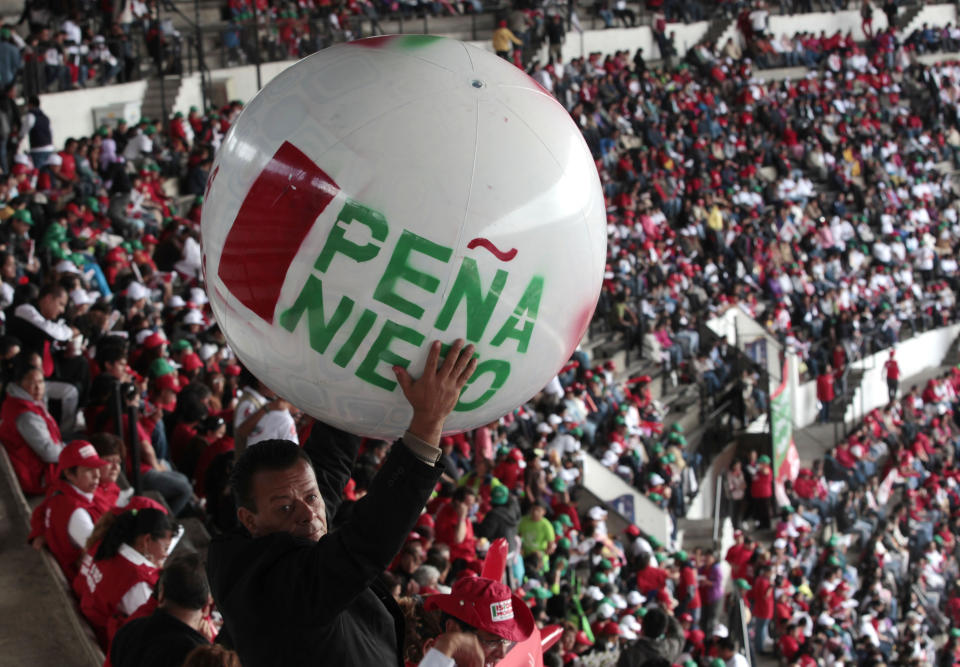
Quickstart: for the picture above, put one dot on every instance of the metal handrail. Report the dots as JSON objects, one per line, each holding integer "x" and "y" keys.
{"x": 717, "y": 502}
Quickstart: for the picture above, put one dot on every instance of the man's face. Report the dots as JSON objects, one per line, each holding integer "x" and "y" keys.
{"x": 52, "y": 306}
{"x": 111, "y": 471}
{"x": 286, "y": 501}
{"x": 494, "y": 647}
{"x": 117, "y": 369}
{"x": 537, "y": 512}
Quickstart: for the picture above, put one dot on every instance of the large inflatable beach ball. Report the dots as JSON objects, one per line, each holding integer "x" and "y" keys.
{"x": 388, "y": 192}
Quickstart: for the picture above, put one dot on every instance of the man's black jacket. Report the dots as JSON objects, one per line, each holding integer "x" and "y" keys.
{"x": 158, "y": 640}
{"x": 289, "y": 601}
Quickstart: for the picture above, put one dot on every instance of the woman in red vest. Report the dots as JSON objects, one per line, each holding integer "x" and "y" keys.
{"x": 29, "y": 432}
{"x": 125, "y": 568}
{"x": 761, "y": 491}
{"x": 70, "y": 511}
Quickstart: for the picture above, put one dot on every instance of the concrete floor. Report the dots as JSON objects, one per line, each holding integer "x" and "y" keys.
{"x": 36, "y": 627}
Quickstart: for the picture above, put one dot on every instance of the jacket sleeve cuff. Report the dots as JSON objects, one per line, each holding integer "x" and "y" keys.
{"x": 422, "y": 449}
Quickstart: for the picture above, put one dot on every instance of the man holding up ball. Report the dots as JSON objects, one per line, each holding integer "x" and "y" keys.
{"x": 292, "y": 594}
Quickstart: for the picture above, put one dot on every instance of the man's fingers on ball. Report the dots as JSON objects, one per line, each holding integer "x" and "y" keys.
{"x": 433, "y": 358}
{"x": 467, "y": 373}
{"x": 453, "y": 354}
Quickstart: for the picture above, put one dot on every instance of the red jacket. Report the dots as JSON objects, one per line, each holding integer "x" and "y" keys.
{"x": 825, "y": 387}
{"x": 762, "y": 597}
{"x": 651, "y": 578}
{"x": 34, "y": 475}
{"x": 57, "y": 510}
{"x": 446, "y": 530}
{"x": 104, "y": 585}
{"x": 761, "y": 486}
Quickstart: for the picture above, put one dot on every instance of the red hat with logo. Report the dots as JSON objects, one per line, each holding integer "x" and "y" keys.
{"x": 154, "y": 340}
{"x": 191, "y": 362}
{"x": 80, "y": 453}
{"x": 487, "y": 605}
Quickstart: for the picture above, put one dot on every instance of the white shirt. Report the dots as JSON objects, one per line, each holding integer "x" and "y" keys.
{"x": 737, "y": 661}
{"x": 80, "y": 524}
{"x": 276, "y": 424}
{"x": 141, "y": 591}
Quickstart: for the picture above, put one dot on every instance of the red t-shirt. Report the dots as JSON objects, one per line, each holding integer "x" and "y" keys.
{"x": 446, "y": 531}
{"x": 651, "y": 578}
{"x": 762, "y": 597}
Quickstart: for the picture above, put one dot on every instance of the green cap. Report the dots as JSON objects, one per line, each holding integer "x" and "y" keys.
{"x": 600, "y": 578}
{"x": 564, "y": 543}
{"x": 93, "y": 204}
{"x": 149, "y": 129}
{"x": 742, "y": 584}
{"x": 656, "y": 497}
{"x": 670, "y": 458}
{"x": 833, "y": 541}
{"x": 654, "y": 542}
{"x": 657, "y": 448}
{"x": 565, "y": 520}
{"x": 557, "y": 526}
{"x": 938, "y": 539}
{"x": 179, "y": 114}
{"x": 690, "y": 663}
{"x": 640, "y": 612}
{"x": 789, "y": 509}
{"x": 24, "y": 216}
{"x": 181, "y": 345}
{"x": 541, "y": 593}
{"x": 763, "y": 459}
{"x": 605, "y": 565}
{"x": 955, "y": 632}
{"x": 620, "y": 421}
{"x": 718, "y": 662}
{"x": 103, "y": 131}
{"x": 681, "y": 556}
{"x": 558, "y": 485}
{"x": 577, "y": 431}
{"x": 136, "y": 244}
{"x": 676, "y": 427}
{"x": 833, "y": 560}
{"x": 160, "y": 367}
{"x": 499, "y": 495}
{"x": 660, "y": 557}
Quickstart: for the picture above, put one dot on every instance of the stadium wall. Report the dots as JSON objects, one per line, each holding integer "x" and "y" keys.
{"x": 914, "y": 356}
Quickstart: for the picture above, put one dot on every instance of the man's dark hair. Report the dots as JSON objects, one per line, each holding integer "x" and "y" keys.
{"x": 654, "y": 623}
{"x": 266, "y": 455}
{"x": 184, "y": 582}
{"x": 460, "y": 495}
{"x": 52, "y": 289}
{"x": 111, "y": 353}
{"x": 726, "y": 644}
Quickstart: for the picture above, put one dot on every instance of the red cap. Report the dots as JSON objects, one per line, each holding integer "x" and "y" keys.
{"x": 80, "y": 453}
{"x": 230, "y": 369}
{"x": 169, "y": 381}
{"x": 686, "y": 618}
{"x": 191, "y": 362}
{"x": 426, "y": 519}
{"x": 632, "y": 531}
{"x": 515, "y": 454}
{"x": 610, "y": 628}
{"x": 155, "y": 339}
{"x": 502, "y": 24}
{"x": 487, "y": 605}
{"x": 149, "y": 238}
{"x": 583, "y": 639}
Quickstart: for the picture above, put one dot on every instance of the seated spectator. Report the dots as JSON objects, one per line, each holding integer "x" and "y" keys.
{"x": 179, "y": 624}
{"x": 28, "y": 431}
{"x": 125, "y": 568}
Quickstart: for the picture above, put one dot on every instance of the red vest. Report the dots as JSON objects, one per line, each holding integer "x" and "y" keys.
{"x": 34, "y": 474}
{"x": 58, "y": 508}
{"x": 105, "y": 583}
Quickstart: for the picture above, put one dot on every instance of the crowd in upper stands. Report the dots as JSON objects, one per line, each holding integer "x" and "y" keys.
{"x": 823, "y": 206}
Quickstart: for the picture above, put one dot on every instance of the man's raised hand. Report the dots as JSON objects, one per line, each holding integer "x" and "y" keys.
{"x": 435, "y": 393}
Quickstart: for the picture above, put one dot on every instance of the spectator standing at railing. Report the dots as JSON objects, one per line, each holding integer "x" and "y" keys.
{"x": 891, "y": 371}
{"x": 503, "y": 37}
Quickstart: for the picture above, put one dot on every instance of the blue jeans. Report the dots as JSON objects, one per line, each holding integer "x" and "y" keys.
{"x": 760, "y": 626}
{"x": 173, "y": 486}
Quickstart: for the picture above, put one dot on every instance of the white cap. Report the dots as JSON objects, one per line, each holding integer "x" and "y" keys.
{"x": 825, "y": 619}
{"x": 66, "y": 266}
{"x": 207, "y": 350}
{"x": 81, "y": 297}
{"x": 193, "y": 317}
{"x": 555, "y": 420}
{"x": 656, "y": 479}
{"x": 55, "y": 158}
{"x": 626, "y": 632}
{"x": 605, "y": 610}
{"x": 544, "y": 428}
{"x": 609, "y": 459}
{"x": 571, "y": 445}
{"x": 720, "y": 630}
{"x": 597, "y": 513}
{"x": 631, "y": 622}
{"x": 619, "y": 601}
{"x": 635, "y": 599}
{"x": 143, "y": 335}
{"x": 198, "y": 296}
{"x": 616, "y": 448}
{"x": 779, "y": 543}
{"x": 594, "y": 593}
{"x": 136, "y": 291}
{"x": 176, "y": 301}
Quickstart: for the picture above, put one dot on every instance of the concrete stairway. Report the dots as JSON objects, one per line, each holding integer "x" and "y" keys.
{"x": 154, "y": 99}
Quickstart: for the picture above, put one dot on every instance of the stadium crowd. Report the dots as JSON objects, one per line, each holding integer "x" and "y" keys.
{"x": 823, "y": 207}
